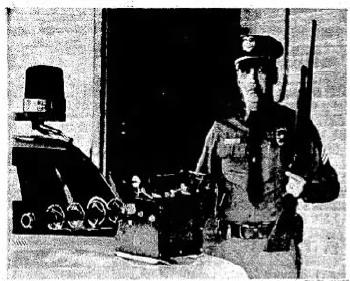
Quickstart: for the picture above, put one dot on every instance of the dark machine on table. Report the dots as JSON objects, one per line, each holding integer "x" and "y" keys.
{"x": 172, "y": 223}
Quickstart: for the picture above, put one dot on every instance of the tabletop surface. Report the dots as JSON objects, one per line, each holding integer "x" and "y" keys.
{"x": 76, "y": 257}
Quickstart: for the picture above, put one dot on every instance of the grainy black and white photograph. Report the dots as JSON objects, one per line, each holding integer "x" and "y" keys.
{"x": 176, "y": 142}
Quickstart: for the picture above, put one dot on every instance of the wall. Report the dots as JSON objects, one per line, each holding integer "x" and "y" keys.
{"x": 323, "y": 248}
{"x": 69, "y": 39}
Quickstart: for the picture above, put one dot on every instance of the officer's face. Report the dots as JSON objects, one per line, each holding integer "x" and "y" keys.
{"x": 252, "y": 78}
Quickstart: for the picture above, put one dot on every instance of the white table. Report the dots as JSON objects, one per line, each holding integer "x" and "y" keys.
{"x": 73, "y": 257}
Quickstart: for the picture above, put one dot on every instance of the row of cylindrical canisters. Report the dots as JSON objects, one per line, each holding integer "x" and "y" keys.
{"x": 97, "y": 213}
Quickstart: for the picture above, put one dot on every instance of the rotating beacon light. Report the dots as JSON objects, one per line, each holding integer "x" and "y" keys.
{"x": 44, "y": 95}
{"x": 44, "y": 99}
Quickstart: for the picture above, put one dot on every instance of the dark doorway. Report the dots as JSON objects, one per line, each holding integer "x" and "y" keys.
{"x": 167, "y": 69}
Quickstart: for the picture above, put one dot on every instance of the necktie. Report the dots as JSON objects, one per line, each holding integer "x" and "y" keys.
{"x": 255, "y": 187}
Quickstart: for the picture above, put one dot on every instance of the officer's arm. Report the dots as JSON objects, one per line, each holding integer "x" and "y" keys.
{"x": 204, "y": 164}
{"x": 322, "y": 183}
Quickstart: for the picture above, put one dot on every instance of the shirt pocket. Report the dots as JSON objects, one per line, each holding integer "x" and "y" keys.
{"x": 234, "y": 149}
{"x": 240, "y": 151}
{"x": 232, "y": 153}
{"x": 225, "y": 149}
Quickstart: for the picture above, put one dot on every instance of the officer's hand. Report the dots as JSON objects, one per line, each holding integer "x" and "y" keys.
{"x": 295, "y": 185}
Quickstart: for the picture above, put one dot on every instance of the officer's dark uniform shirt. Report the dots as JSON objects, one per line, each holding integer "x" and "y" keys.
{"x": 227, "y": 153}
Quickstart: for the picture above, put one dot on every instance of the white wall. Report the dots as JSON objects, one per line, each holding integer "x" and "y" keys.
{"x": 65, "y": 38}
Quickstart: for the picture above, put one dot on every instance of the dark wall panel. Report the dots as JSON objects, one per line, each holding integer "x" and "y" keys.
{"x": 167, "y": 69}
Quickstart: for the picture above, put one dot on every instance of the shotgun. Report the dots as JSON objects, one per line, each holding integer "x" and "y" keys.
{"x": 289, "y": 224}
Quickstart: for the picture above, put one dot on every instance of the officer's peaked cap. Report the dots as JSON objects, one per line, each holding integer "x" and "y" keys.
{"x": 258, "y": 46}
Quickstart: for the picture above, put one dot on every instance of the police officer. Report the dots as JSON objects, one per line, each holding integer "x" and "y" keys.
{"x": 248, "y": 153}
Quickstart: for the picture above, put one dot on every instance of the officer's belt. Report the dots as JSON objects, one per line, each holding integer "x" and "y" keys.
{"x": 247, "y": 230}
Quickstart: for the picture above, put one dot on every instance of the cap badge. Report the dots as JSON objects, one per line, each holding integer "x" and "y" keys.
{"x": 248, "y": 43}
